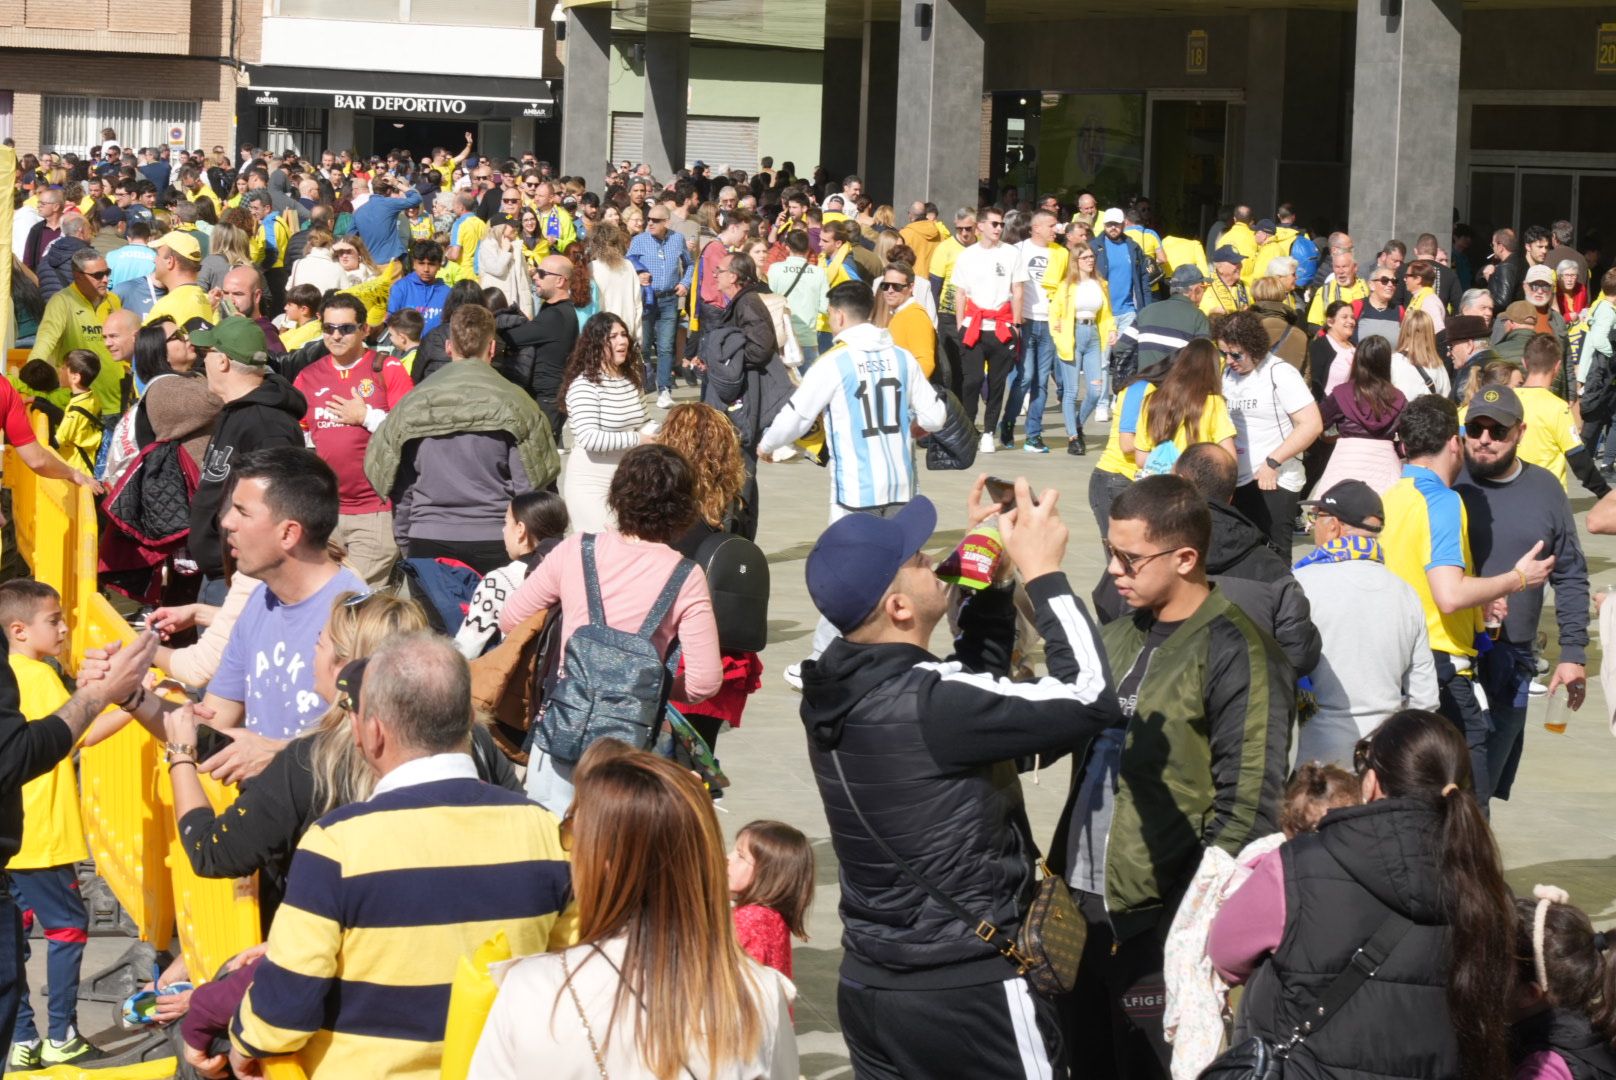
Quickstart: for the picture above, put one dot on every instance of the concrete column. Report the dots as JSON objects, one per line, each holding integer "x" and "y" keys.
{"x": 586, "y": 115}
{"x": 1405, "y": 120}
{"x": 939, "y": 106}
{"x": 667, "y": 98}
{"x": 838, "y": 108}
{"x": 1262, "y": 142}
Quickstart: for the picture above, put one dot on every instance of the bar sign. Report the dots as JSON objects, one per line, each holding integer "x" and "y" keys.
{"x": 1195, "y": 51}
{"x": 1605, "y": 59}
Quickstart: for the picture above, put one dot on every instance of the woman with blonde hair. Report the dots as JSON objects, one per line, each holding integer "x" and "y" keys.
{"x": 633, "y": 220}
{"x": 658, "y": 985}
{"x": 315, "y": 773}
{"x": 702, "y": 433}
{"x": 1416, "y": 365}
{"x": 354, "y": 258}
{"x": 228, "y": 248}
{"x": 1084, "y": 330}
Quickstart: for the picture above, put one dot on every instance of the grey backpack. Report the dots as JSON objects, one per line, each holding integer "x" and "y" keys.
{"x": 613, "y": 684}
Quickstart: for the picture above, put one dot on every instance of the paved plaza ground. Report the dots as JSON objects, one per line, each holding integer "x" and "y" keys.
{"x": 1560, "y": 828}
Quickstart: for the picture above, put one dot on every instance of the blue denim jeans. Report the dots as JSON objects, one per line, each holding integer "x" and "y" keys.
{"x": 1088, "y": 364}
{"x": 1505, "y": 672}
{"x": 659, "y": 327}
{"x": 1030, "y": 381}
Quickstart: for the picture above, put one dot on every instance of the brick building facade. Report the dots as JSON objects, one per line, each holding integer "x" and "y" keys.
{"x": 140, "y": 68}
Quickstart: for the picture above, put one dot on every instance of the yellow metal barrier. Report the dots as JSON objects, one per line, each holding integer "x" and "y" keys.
{"x": 216, "y": 918}
{"x": 126, "y": 801}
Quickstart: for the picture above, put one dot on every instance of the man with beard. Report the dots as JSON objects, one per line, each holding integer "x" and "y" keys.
{"x": 1428, "y": 541}
{"x": 1514, "y": 508}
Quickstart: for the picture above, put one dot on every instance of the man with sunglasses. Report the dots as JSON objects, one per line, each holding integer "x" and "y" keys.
{"x": 1538, "y": 312}
{"x": 74, "y": 319}
{"x": 1431, "y": 543}
{"x": 1379, "y": 314}
{"x": 950, "y": 353}
{"x": 1207, "y": 701}
{"x": 1516, "y": 507}
{"x": 349, "y": 393}
{"x": 988, "y": 295}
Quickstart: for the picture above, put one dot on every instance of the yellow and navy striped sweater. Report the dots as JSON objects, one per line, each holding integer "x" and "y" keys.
{"x": 383, "y": 899}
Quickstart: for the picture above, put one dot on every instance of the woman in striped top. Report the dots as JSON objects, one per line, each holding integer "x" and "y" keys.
{"x": 606, "y": 412}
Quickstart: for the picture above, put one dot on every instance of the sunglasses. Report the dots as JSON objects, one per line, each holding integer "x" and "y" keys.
{"x": 1475, "y": 429}
{"x": 1129, "y": 562}
{"x": 657, "y": 220}
{"x": 509, "y": 202}
{"x": 178, "y": 335}
{"x": 1382, "y": 281}
{"x": 894, "y": 286}
{"x": 344, "y": 251}
{"x": 98, "y": 275}
{"x": 1545, "y": 286}
{"x": 992, "y": 224}
{"x": 1231, "y": 355}
{"x": 557, "y": 273}
{"x": 340, "y": 329}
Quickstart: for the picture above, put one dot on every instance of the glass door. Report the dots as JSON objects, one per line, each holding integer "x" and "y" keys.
{"x": 1187, "y": 140}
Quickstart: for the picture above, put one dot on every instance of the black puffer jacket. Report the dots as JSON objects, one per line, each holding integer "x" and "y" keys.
{"x": 269, "y": 416}
{"x": 1584, "y": 1051}
{"x": 1255, "y": 578}
{"x": 1364, "y": 863}
{"x": 928, "y": 750}
{"x": 56, "y": 265}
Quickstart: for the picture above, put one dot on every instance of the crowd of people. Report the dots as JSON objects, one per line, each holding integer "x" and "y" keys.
{"x": 432, "y": 485}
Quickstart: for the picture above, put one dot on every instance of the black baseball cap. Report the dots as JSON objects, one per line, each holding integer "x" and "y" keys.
{"x": 1354, "y": 503}
{"x": 1498, "y": 403}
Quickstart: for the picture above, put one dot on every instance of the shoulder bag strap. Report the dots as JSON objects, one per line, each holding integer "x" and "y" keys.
{"x": 597, "y": 607}
{"x": 984, "y": 929}
{"x": 794, "y": 281}
{"x": 664, "y": 601}
{"x": 1360, "y": 969}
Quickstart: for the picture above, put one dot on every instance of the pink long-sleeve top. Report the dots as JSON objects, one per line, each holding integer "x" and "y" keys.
{"x": 1251, "y": 922}
{"x": 631, "y": 578}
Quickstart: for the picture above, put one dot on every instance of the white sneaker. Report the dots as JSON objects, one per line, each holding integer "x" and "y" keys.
{"x": 664, "y": 400}
{"x": 1102, "y": 412}
{"x": 986, "y": 445}
{"x": 1537, "y": 689}
{"x": 793, "y": 676}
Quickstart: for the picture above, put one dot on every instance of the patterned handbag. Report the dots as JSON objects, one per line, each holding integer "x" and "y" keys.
{"x": 1050, "y": 943}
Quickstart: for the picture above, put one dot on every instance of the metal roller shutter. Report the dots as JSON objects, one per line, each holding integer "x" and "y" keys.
{"x": 720, "y": 141}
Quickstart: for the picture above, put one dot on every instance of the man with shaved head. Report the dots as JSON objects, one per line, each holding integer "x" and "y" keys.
{"x": 539, "y": 347}
{"x": 243, "y": 286}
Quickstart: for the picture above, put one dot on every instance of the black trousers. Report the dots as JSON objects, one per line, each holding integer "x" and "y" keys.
{"x": 483, "y": 556}
{"x": 1456, "y": 700}
{"x": 950, "y": 369}
{"x": 991, "y": 361}
{"x": 1112, "y": 1019}
{"x": 1274, "y": 512}
{"x": 11, "y": 960}
{"x": 996, "y": 1030}
{"x": 1103, "y": 488}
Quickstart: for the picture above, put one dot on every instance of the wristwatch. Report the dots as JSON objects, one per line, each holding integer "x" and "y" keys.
{"x": 1271, "y": 463}
{"x": 181, "y": 750}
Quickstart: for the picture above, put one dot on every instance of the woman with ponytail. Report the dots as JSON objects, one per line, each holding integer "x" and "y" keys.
{"x": 1418, "y": 851}
{"x": 1565, "y": 992}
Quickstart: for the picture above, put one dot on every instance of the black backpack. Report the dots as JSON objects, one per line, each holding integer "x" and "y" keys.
{"x": 738, "y": 581}
{"x": 1599, "y": 392}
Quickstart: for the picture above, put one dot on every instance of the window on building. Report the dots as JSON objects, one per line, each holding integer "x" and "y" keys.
{"x": 282, "y": 129}
{"x": 518, "y": 13}
{"x": 5, "y": 114}
{"x": 721, "y": 141}
{"x": 73, "y": 124}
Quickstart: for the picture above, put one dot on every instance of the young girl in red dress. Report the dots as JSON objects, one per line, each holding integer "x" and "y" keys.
{"x": 771, "y": 881}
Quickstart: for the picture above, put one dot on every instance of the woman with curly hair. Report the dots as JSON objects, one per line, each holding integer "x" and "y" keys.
{"x": 653, "y": 500}
{"x": 604, "y": 407}
{"x": 1275, "y": 419}
{"x": 709, "y": 442}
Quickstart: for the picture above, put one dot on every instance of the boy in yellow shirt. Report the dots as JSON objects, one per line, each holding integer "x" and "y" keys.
{"x": 1552, "y": 439}
{"x": 300, "y": 324}
{"x": 78, "y": 436}
{"x": 43, "y": 879}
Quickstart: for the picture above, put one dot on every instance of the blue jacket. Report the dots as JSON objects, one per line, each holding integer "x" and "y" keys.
{"x": 1141, "y": 269}
{"x": 377, "y": 224}
{"x": 411, "y": 292}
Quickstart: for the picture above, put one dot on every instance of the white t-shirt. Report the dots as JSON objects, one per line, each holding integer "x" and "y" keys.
{"x": 986, "y": 275}
{"x": 1260, "y": 405}
{"x": 1034, "y": 264}
{"x": 1406, "y": 377}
